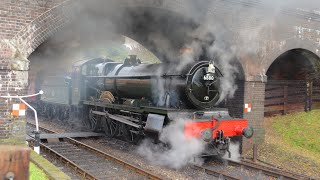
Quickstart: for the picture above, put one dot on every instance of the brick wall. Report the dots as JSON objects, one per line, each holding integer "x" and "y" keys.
{"x": 16, "y": 14}
{"x": 235, "y": 104}
{"x": 255, "y": 95}
{"x": 12, "y": 130}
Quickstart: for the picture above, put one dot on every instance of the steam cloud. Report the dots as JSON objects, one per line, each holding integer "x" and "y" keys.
{"x": 97, "y": 22}
{"x": 181, "y": 151}
{"x": 211, "y": 43}
{"x": 235, "y": 153}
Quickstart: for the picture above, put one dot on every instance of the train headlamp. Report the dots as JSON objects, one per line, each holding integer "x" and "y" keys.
{"x": 206, "y": 135}
{"x": 210, "y": 73}
{"x": 211, "y": 68}
{"x": 248, "y": 132}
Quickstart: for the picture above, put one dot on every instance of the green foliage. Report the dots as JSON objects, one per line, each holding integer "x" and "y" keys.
{"x": 300, "y": 129}
{"x": 36, "y": 173}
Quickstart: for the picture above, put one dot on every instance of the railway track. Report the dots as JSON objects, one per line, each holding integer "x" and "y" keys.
{"x": 91, "y": 163}
{"x": 270, "y": 171}
{"x": 122, "y": 144}
{"x": 216, "y": 173}
{"x": 258, "y": 171}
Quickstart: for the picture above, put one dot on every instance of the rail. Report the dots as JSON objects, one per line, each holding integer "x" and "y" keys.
{"x": 68, "y": 162}
{"x": 270, "y": 171}
{"x": 98, "y": 152}
{"x": 260, "y": 169}
{"x": 218, "y": 174}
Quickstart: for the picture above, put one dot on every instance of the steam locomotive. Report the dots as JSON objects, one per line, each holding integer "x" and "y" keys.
{"x": 133, "y": 100}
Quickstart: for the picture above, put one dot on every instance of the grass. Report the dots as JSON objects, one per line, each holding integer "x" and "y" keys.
{"x": 36, "y": 173}
{"x": 301, "y": 130}
{"x": 292, "y": 143}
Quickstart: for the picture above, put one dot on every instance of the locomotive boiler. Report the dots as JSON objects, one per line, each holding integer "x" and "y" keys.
{"x": 195, "y": 86}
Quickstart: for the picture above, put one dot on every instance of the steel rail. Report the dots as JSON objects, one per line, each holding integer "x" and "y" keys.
{"x": 68, "y": 163}
{"x": 107, "y": 156}
{"x": 218, "y": 174}
{"x": 278, "y": 169}
{"x": 63, "y": 159}
{"x": 270, "y": 171}
{"x": 127, "y": 165}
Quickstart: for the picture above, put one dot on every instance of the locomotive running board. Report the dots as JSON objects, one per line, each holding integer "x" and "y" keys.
{"x": 154, "y": 123}
{"x": 117, "y": 118}
{"x": 123, "y": 120}
{"x": 99, "y": 113}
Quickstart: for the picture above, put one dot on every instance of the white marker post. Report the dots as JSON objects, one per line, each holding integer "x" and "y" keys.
{"x": 37, "y": 133}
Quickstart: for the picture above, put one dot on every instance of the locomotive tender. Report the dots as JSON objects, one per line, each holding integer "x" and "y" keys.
{"x": 133, "y": 100}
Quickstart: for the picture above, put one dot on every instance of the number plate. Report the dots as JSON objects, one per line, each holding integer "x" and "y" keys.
{"x": 208, "y": 77}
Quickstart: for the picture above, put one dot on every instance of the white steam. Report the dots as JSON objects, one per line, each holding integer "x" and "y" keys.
{"x": 228, "y": 81}
{"x": 97, "y": 24}
{"x": 181, "y": 151}
{"x": 235, "y": 153}
{"x": 212, "y": 43}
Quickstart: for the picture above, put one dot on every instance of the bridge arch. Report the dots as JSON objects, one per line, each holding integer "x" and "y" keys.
{"x": 303, "y": 47}
{"x": 129, "y": 22}
{"x": 294, "y": 64}
{"x": 289, "y": 86}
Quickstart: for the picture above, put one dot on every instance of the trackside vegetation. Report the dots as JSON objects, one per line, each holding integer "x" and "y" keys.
{"x": 300, "y": 129}
{"x": 36, "y": 173}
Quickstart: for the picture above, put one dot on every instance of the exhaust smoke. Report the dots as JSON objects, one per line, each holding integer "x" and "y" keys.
{"x": 235, "y": 152}
{"x": 178, "y": 150}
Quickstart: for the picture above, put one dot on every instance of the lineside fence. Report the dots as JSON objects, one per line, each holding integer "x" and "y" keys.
{"x": 284, "y": 96}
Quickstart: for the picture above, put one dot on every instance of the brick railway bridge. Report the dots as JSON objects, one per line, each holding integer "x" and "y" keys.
{"x": 281, "y": 43}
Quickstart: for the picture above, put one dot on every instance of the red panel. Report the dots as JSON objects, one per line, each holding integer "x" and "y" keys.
{"x": 230, "y": 127}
